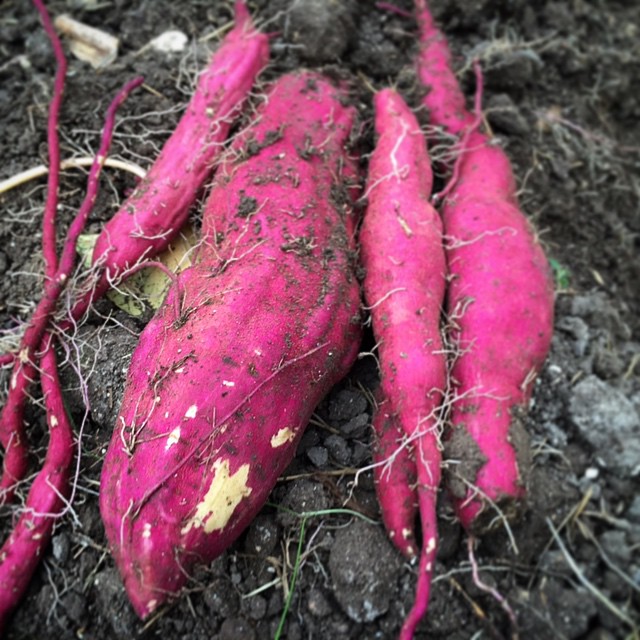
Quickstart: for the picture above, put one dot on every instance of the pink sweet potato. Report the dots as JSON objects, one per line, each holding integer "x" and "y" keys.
{"x": 250, "y": 338}
{"x": 402, "y": 252}
{"x": 500, "y": 300}
{"x": 22, "y": 551}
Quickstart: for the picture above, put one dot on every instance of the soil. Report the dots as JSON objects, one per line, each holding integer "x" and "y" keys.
{"x": 562, "y": 86}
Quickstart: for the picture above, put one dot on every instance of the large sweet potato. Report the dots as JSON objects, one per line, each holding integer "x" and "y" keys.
{"x": 227, "y": 374}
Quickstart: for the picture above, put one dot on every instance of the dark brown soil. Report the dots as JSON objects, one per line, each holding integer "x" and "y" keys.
{"x": 562, "y": 93}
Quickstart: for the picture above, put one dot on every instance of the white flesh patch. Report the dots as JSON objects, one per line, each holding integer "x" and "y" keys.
{"x": 53, "y": 422}
{"x": 431, "y": 545}
{"x": 227, "y": 383}
{"x": 224, "y": 495}
{"x": 174, "y": 438}
{"x": 192, "y": 411}
{"x": 282, "y": 437}
{"x": 146, "y": 530}
{"x": 407, "y": 533}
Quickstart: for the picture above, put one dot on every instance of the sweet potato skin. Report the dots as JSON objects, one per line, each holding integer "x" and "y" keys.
{"x": 396, "y": 480}
{"x": 227, "y": 374}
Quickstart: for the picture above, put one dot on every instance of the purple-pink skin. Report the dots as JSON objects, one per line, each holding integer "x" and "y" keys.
{"x": 53, "y": 143}
{"x": 403, "y": 255}
{"x": 229, "y": 371}
{"x": 500, "y": 297}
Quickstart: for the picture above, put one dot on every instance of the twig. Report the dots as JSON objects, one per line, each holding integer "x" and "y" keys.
{"x": 595, "y": 592}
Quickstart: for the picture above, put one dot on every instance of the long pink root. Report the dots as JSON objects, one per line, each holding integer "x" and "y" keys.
{"x": 23, "y": 550}
{"x": 12, "y": 436}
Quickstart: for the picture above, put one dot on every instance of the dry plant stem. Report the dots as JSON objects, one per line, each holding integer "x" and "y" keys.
{"x": 23, "y": 550}
{"x": 70, "y": 163}
{"x": 24, "y": 371}
{"x": 595, "y": 592}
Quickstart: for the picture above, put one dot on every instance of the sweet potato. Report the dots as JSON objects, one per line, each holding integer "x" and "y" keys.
{"x": 57, "y": 274}
{"x": 22, "y": 551}
{"x": 250, "y": 338}
{"x": 500, "y": 300}
{"x": 402, "y": 252}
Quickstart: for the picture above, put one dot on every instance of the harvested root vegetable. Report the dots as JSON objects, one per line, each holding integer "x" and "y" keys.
{"x": 402, "y": 252}
{"x": 12, "y": 428}
{"x": 248, "y": 341}
{"x": 500, "y": 302}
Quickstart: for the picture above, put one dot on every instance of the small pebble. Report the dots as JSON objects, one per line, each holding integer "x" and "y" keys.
{"x": 319, "y": 456}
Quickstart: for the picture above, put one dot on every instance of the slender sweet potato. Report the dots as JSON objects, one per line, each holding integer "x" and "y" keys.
{"x": 57, "y": 274}
{"x": 250, "y": 338}
{"x": 402, "y": 252}
{"x": 500, "y": 300}
{"x": 155, "y": 212}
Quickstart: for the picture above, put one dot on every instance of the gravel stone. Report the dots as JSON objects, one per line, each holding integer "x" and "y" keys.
{"x": 608, "y": 421}
{"x": 319, "y": 456}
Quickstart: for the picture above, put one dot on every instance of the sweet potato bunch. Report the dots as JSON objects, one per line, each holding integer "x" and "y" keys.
{"x": 252, "y": 336}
